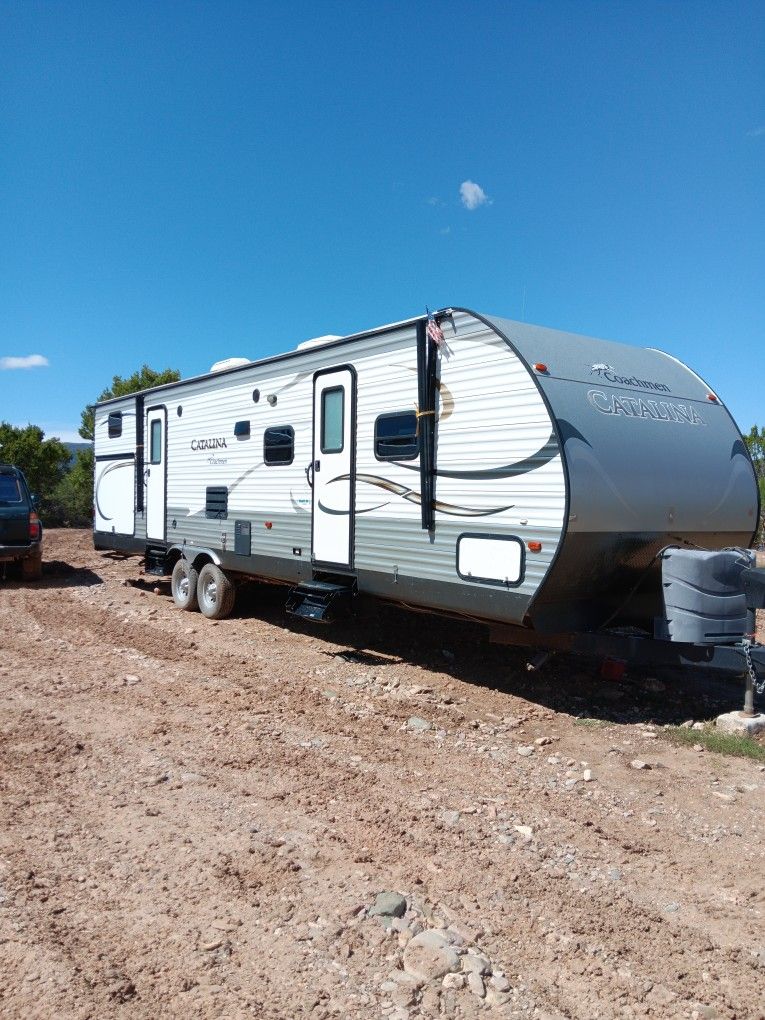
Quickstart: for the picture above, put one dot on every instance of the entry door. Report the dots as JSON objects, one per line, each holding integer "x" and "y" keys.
{"x": 155, "y": 473}
{"x": 334, "y": 410}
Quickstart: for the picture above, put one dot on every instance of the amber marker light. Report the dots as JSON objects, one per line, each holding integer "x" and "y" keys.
{"x": 534, "y": 546}
{"x": 541, "y": 367}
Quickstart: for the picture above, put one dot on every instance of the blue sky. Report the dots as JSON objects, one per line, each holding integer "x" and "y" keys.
{"x": 183, "y": 182}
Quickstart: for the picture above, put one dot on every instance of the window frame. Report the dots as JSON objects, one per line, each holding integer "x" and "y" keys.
{"x": 324, "y": 394}
{"x": 279, "y": 428}
{"x": 388, "y": 458}
{"x": 154, "y": 422}
{"x": 114, "y": 424}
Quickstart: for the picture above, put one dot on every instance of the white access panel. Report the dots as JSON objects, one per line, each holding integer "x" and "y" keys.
{"x": 492, "y": 560}
{"x": 334, "y": 396}
{"x": 114, "y": 495}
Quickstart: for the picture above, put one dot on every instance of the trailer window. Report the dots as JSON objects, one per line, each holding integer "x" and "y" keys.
{"x": 332, "y": 408}
{"x": 216, "y": 502}
{"x": 155, "y": 445}
{"x": 279, "y": 445}
{"x": 396, "y": 436}
{"x": 115, "y": 424}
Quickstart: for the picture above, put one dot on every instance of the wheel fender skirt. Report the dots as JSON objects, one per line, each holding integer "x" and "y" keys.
{"x": 191, "y": 552}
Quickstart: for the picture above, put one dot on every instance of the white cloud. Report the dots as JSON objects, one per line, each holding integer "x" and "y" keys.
{"x": 473, "y": 195}
{"x": 29, "y": 361}
{"x": 756, "y": 132}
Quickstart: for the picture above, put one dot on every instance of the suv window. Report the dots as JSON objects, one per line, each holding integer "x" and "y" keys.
{"x": 10, "y": 490}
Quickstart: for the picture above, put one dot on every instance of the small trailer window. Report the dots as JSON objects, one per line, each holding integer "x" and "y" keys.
{"x": 279, "y": 445}
{"x": 396, "y": 436}
{"x": 332, "y": 412}
{"x": 216, "y": 502}
{"x": 115, "y": 424}
{"x": 155, "y": 444}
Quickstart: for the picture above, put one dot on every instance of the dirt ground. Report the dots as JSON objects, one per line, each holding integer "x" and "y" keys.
{"x": 196, "y": 817}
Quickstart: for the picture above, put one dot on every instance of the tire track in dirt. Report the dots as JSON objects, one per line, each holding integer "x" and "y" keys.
{"x": 344, "y": 802}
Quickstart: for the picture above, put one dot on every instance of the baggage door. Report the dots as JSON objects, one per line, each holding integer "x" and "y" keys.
{"x": 155, "y": 473}
{"x": 333, "y": 466}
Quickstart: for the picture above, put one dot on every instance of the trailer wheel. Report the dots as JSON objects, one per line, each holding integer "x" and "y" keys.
{"x": 215, "y": 592}
{"x": 183, "y": 585}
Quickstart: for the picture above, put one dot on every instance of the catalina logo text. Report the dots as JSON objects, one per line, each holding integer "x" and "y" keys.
{"x": 219, "y": 443}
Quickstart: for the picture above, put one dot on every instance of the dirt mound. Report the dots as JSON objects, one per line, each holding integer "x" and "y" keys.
{"x": 198, "y": 819}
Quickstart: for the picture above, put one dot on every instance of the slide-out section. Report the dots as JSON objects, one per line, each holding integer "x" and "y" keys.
{"x": 115, "y": 493}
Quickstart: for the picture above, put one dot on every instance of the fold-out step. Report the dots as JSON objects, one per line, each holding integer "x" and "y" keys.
{"x": 323, "y": 601}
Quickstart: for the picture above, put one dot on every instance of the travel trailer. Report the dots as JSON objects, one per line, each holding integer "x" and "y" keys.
{"x": 560, "y": 488}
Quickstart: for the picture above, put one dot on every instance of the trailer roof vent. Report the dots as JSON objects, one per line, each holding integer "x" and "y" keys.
{"x": 227, "y": 363}
{"x": 317, "y": 341}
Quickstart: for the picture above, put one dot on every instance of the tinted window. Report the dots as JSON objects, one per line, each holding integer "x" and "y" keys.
{"x": 216, "y": 502}
{"x": 155, "y": 448}
{"x": 115, "y": 424}
{"x": 396, "y": 436}
{"x": 332, "y": 405}
{"x": 10, "y": 490}
{"x": 279, "y": 445}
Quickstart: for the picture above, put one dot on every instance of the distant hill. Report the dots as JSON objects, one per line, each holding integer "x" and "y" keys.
{"x": 74, "y": 448}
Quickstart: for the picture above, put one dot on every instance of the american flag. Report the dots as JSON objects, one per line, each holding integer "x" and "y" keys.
{"x": 434, "y": 331}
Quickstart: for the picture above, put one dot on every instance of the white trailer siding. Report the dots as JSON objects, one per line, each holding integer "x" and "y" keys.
{"x": 498, "y": 468}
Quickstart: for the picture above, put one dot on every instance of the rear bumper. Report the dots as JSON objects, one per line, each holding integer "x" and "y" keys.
{"x": 18, "y": 552}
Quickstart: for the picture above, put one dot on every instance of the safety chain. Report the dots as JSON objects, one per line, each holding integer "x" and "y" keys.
{"x": 758, "y": 685}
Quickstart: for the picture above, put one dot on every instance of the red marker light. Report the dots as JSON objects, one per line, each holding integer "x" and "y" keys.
{"x": 269, "y": 524}
{"x": 540, "y": 366}
{"x": 34, "y": 527}
{"x": 712, "y": 397}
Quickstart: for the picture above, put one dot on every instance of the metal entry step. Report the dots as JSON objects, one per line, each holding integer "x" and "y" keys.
{"x": 322, "y": 601}
{"x": 155, "y": 561}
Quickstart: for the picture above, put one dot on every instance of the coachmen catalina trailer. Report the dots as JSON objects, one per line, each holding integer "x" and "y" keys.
{"x": 565, "y": 490}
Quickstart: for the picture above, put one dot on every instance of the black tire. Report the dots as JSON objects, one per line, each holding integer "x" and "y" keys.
{"x": 215, "y": 593}
{"x": 183, "y": 585}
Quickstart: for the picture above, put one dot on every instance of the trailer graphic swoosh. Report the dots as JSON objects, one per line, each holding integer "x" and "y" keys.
{"x": 104, "y": 473}
{"x": 450, "y": 509}
{"x": 542, "y": 456}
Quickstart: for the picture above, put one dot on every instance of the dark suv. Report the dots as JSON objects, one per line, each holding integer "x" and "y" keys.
{"x": 20, "y": 527}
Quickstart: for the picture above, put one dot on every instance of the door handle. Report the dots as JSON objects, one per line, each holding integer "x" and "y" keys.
{"x": 317, "y": 465}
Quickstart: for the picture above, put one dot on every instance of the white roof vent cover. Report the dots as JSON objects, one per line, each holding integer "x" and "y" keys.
{"x": 317, "y": 341}
{"x": 226, "y": 363}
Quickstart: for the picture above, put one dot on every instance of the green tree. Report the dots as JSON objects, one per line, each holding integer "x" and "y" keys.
{"x": 71, "y": 505}
{"x": 140, "y": 380}
{"x": 43, "y": 461}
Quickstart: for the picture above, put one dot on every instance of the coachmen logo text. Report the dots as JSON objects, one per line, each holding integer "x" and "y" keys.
{"x": 608, "y": 372}
{"x": 637, "y": 407}
{"x": 218, "y": 443}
